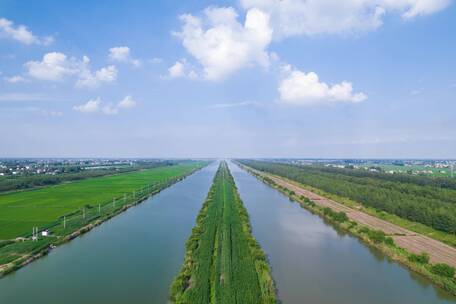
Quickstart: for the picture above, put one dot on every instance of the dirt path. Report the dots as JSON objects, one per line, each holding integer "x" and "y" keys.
{"x": 409, "y": 240}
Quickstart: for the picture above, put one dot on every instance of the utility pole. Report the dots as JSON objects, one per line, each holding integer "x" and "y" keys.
{"x": 64, "y": 222}
{"x": 83, "y": 213}
{"x": 99, "y": 208}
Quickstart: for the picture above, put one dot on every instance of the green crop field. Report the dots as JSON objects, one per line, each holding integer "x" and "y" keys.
{"x": 20, "y": 211}
{"x": 223, "y": 263}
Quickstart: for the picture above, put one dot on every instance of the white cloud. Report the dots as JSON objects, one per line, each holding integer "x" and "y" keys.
{"x": 91, "y": 106}
{"x": 181, "y": 69}
{"x": 109, "y": 109}
{"x": 176, "y": 70}
{"x": 14, "y": 79}
{"x": 21, "y": 33}
{"x": 309, "y": 17}
{"x": 127, "y": 102}
{"x": 122, "y": 54}
{"x": 97, "y": 106}
{"x": 221, "y": 44}
{"x": 92, "y": 80}
{"x": 54, "y": 67}
{"x": 57, "y": 66}
{"x": 299, "y": 88}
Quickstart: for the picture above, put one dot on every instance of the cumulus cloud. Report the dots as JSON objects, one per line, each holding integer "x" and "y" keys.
{"x": 127, "y": 102}
{"x": 54, "y": 67}
{"x": 57, "y": 66}
{"x": 309, "y": 17}
{"x": 97, "y": 106}
{"x": 92, "y": 80}
{"x": 21, "y": 33}
{"x": 122, "y": 54}
{"x": 181, "y": 69}
{"x": 176, "y": 70}
{"x": 300, "y": 88}
{"x": 221, "y": 44}
{"x": 91, "y": 106}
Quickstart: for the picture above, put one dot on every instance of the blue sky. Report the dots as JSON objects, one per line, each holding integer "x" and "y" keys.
{"x": 248, "y": 78}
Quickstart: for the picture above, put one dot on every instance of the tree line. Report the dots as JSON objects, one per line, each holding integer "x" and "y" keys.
{"x": 414, "y": 198}
{"x": 40, "y": 180}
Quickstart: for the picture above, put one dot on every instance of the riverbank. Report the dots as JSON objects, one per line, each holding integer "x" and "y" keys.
{"x": 78, "y": 224}
{"x": 375, "y": 238}
{"x": 223, "y": 262}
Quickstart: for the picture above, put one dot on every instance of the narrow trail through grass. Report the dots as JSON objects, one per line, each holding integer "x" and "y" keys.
{"x": 223, "y": 263}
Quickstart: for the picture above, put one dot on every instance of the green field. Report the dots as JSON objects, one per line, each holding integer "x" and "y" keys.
{"x": 223, "y": 263}
{"x": 20, "y": 211}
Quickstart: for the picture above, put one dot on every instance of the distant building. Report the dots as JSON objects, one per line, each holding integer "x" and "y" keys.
{"x": 45, "y": 233}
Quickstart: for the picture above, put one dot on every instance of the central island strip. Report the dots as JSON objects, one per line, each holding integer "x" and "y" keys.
{"x": 223, "y": 262}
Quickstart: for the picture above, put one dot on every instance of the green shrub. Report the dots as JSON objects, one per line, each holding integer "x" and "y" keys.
{"x": 377, "y": 236}
{"x": 443, "y": 270}
{"x": 423, "y": 258}
{"x": 364, "y": 230}
{"x": 389, "y": 241}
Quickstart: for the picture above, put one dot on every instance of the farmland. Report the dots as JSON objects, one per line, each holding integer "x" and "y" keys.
{"x": 223, "y": 263}
{"x": 20, "y": 211}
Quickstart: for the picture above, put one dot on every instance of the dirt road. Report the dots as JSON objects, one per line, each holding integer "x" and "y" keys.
{"x": 409, "y": 240}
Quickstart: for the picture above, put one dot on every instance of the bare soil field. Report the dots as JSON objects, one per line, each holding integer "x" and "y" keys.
{"x": 409, "y": 240}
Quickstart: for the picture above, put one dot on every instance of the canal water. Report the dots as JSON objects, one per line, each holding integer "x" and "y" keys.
{"x": 132, "y": 258}
{"x": 314, "y": 263}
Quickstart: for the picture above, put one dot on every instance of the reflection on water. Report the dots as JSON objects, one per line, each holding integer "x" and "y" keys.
{"x": 130, "y": 259}
{"x": 312, "y": 262}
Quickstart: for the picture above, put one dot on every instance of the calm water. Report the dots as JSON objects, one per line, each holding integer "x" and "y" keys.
{"x": 313, "y": 263}
{"x": 134, "y": 257}
{"x": 130, "y": 259}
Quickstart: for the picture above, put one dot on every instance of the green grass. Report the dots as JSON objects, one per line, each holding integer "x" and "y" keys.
{"x": 223, "y": 263}
{"x": 20, "y": 211}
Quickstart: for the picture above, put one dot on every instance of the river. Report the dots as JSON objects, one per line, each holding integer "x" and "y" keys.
{"x": 133, "y": 257}
{"x": 314, "y": 263}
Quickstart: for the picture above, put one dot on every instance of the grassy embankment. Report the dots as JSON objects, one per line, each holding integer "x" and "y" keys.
{"x": 68, "y": 210}
{"x": 223, "y": 262}
{"x": 440, "y": 274}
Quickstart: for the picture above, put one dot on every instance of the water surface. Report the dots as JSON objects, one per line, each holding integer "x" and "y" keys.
{"x": 130, "y": 259}
{"x": 314, "y": 263}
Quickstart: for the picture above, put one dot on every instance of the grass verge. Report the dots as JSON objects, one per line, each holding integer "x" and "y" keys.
{"x": 223, "y": 262}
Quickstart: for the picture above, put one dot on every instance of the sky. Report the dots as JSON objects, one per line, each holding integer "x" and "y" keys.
{"x": 241, "y": 78}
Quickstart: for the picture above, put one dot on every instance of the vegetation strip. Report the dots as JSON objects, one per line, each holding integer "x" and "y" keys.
{"x": 223, "y": 262}
{"x": 419, "y": 199}
{"x": 440, "y": 273}
{"x": 19, "y": 252}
